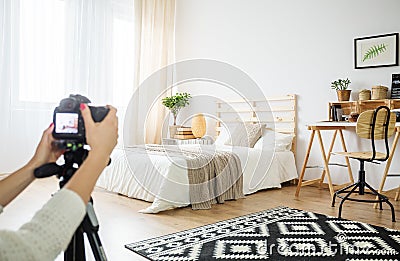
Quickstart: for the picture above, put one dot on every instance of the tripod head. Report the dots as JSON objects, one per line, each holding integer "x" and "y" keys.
{"x": 74, "y": 155}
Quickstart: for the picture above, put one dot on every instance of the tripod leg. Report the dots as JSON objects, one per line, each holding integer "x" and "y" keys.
{"x": 76, "y": 248}
{"x": 90, "y": 226}
{"x": 97, "y": 247}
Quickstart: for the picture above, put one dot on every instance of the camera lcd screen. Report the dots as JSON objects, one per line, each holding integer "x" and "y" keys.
{"x": 66, "y": 123}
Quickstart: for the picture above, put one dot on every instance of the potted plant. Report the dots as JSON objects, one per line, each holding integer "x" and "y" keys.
{"x": 175, "y": 103}
{"x": 341, "y": 86}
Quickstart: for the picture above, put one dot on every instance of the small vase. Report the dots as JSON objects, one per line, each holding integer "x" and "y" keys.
{"x": 199, "y": 126}
{"x": 172, "y": 130}
{"x": 343, "y": 95}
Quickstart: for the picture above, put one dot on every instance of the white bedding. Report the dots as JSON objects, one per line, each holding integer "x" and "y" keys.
{"x": 163, "y": 179}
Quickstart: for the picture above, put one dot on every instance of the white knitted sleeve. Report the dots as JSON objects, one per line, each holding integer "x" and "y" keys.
{"x": 49, "y": 231}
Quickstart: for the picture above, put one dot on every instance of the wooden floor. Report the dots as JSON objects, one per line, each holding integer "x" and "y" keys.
{"x": 120, "y": 222}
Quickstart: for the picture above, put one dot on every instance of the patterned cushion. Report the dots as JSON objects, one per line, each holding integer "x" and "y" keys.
{"x": 246, "y": 135}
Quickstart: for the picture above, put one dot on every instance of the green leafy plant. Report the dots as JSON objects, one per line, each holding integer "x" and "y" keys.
{"x": 176, "y": 102}
{"x": 374, "y": 51}
{"x": 340, "y": 84}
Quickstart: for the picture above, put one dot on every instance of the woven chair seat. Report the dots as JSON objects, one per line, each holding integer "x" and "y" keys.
{"x": 364, "y": 155}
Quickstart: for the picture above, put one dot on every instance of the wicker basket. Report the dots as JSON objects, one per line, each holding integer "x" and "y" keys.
{"x": 364, "y": 95}
{"x": 379, "y": 92}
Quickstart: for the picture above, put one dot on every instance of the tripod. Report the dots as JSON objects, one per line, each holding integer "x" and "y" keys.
{"x": 74, "y": 156}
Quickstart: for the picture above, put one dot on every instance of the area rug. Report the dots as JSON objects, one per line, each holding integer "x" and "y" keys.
{"x": 281, "y": 233}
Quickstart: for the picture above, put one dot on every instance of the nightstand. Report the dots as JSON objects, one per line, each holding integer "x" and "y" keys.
{"x": 201, "y": 141}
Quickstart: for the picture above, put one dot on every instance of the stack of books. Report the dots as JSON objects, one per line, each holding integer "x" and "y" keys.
{"x": 395, "y": 91}
{"x": 184, "y": 133}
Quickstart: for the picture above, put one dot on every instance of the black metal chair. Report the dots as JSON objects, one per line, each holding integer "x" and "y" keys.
{"x": 375, "y": 125}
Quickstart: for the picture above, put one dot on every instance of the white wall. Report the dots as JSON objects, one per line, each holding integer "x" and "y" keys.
{"x": 292, "y": 47}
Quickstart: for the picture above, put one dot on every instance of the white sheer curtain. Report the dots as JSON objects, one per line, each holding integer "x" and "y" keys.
{"x": 5, "y": 79}
{"x": 155, "y": 49}
{"x": 51, "y": 48}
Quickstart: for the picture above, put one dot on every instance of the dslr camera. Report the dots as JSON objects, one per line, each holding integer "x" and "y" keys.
{"x": 68, "y": 121}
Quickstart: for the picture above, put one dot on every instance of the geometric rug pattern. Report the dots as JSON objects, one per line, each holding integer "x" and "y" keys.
{"x": 280, "y": 233}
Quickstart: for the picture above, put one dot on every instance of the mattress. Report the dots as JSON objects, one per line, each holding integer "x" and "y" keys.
{"x": 161, "y": 178}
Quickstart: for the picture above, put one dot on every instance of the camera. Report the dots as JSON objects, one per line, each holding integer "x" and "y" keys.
{"x": 68, "y": 121}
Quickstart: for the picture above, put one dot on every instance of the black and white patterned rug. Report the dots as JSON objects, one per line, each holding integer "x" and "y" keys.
{"x": 281, "y": 233}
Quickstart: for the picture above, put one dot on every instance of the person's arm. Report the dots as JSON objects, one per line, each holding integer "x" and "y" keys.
{"x": 51, "y": 229}
{"x": 102, "y": 138}
{"x": 16, "y": 182}
{"x": 48, "y": 232}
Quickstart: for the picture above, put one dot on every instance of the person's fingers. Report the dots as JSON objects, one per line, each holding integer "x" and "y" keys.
{"x": 47, "y": 135}
{"x": 87, "y": 116}
{"x": 44, "y": 151}
{"x": 48, "y": 131}
{"x": 111, "y": 107}
{"x": 112, "y": 112}
{"x": 50, "y": 128}
{"x": 111, "y": 116}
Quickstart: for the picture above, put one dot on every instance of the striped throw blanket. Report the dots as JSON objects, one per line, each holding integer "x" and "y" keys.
{"x": 214, "y": 176}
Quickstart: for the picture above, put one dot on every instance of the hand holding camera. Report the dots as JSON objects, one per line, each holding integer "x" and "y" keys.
{"x": 76, "y": 124}
{"x": 68, "y": 121}
{"x": 101, "y": 136}
{"x": 45, "y": 151}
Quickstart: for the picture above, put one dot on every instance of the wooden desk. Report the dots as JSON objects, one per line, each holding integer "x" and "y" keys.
{"x": 317, "y": 128}
{"x": 338, "y": 127}
{"x": 388, "y": 163}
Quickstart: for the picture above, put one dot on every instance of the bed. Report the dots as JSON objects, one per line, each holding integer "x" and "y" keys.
{"x": 161, "y": 176}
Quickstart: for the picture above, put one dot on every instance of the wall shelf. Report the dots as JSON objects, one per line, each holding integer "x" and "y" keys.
{"x": 364, "y": 105}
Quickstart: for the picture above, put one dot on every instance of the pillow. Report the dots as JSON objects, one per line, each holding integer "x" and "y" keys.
{"x": 222, "y": 137}
{"x": 271, "y": 139}
{"x": 245, "y": 135}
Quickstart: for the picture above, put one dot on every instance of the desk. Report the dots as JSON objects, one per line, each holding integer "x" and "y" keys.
{"x": 338, "y": 127}
{"x": 389, "y": 162}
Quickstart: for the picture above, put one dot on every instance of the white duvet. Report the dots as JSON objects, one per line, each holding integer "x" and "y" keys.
{"x": 162, "y": 179}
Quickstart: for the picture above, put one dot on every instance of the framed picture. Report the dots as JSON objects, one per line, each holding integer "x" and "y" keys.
{"x": 376, "y": 51}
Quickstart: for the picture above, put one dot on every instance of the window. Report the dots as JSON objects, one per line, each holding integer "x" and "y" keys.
{"x": 41, "y": 50}
{"x": 51, "y": 59}
{"x": 123, "y": 51}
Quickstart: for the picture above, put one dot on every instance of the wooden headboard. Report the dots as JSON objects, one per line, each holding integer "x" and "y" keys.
{"x": 278, "y": 113}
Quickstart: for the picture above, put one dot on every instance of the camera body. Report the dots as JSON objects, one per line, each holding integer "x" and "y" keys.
{"x": 68, "y": 121}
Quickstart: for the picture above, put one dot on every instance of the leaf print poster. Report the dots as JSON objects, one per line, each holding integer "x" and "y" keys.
{"x": 376, "y": 51}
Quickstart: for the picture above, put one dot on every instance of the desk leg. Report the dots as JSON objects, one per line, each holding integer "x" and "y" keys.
{"x": 324, "y": 158}
{"x": 388, "y": 163}
{"x": 329, "y": 156}
{"x": 347, "y": 158}
{"x": 303, "y": 169}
